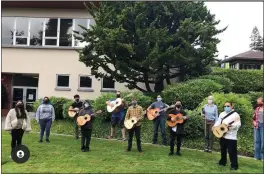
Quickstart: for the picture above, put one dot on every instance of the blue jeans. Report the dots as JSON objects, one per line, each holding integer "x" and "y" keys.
{"x": 259, "y": 141}
{"x": 159, "y": 122}
{"x": 45, "y": 124}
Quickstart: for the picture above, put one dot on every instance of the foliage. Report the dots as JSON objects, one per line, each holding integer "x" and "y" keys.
{"x": 57, "y": 103}
{"x": 241, "y": 104}
{"x": 191, "y": 93}
{"x": 244, "y": 80}
{"x": 256, "y": 40}
{"x": 227, "y": 84}
{"x": 254, "y": 96}
{"x": 65, "y": 107}
{"x": 149, "y": 42}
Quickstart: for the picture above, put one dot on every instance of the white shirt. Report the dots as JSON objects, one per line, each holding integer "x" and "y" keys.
{"x": 232, "y": 132}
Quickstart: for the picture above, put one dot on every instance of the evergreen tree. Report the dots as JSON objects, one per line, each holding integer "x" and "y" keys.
{"x": 256, "y": 40}
{"x": 150, "y": 42}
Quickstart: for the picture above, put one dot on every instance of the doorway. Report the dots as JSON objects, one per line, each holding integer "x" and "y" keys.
{"x": 26, "y": 94}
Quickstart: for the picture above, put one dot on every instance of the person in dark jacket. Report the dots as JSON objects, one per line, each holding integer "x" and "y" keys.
{"x": 178, "y": 130}
{"x": 76, "y": 104}
{"x": 86, "y": 129}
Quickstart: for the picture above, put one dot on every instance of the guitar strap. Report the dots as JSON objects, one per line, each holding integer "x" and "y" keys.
{"x": 230, "y": 113}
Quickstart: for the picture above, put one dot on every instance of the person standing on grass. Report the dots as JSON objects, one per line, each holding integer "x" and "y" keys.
{"x": 76, "y": 104}
{"x": 229, "y": 141}
{"x": 259, "y": 130}
{"x": 45, "y": 115}
{"x": 178, "y": 130}
{"x": 17, "y": 122}
{"x": 159, "y": 121}
{"x": 135, "y": 111}
{"x": 210, "y": 115}
{"x": 86, "y": 129}
{"x": 118, "y": 117}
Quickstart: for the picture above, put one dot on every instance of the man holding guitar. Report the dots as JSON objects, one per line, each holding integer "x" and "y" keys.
{"x": 229, "y": 141}
{"x": 159, "y": 120}
{"x": 177, "y": 114}
{"x": 118, "y": 117}
{"x": 76, "y": 106}
{"x": 135, "y": 111}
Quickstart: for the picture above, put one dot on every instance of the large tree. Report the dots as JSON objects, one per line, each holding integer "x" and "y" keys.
{"x": 256, "y": 40}
{"x": 150, "y": 42}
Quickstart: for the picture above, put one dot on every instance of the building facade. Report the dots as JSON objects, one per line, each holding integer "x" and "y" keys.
{"x": 39, "y": 53}
{"x": 247, "y": 60}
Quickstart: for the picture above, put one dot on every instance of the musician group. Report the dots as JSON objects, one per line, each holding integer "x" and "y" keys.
{"x": 129, "y": 119}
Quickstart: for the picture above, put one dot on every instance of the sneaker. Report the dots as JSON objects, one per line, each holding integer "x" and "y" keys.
{"x": 40, "y": 141}
{"x": 124, "y": 139}
{"x": 110, "y": 137}
{"x": 171, "y": 153}
{"x": 178, "y": 153}
{"x": 209, "y": 151}
{"x": 47, "y": 140}
{"x": 141, "y": 152}
{"x": 83, "y": 150}
{"x": 154, "y": 142}
{"x": 127, "y": 150}
{"x": 220, "y": 164}
{"x": 233, "y": 168}
{"x": 205, "y": 150}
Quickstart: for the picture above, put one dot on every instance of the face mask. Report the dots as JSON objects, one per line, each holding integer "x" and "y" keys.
{"x": 117, "y": 95}
{"x": 77, "y": 100}
{"x": 86, "y": 105}
{"x": 210, "y": 101}
{"x": 260, "y": 104}
{"x": 227, "y": 109}
{"x": 158, "y": 99}
{"x": 134, "y": 103}
{"x": 45, "y": 101}
{"x": 178, "y": 106}
{"x": 20, "y": 106}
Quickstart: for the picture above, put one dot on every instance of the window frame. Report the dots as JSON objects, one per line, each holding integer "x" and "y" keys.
{"x": 21, "y": 37}
{"x": 107, "y": 89}
{"x": 73, "y": 29}
{"x": 62, "y": 87}
{"x": 79, "y": 82}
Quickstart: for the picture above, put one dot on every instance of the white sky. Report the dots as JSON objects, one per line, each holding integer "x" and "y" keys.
{"x": 240, "y": 17}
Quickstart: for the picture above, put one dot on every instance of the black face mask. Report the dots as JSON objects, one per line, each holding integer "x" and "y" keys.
{"x": 178, "y": 106}
{"x": 45, "y": 101}
{"x": 77, "y": 100}
{"x": 20, "y": 106}
{"x": 118, "y": 95}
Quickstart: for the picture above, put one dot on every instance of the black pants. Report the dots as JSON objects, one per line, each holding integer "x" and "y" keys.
{"x": 130, "y": 138}
{"x": 231, "y": 147}
{"x": 86, "y": 138}
{"x": 17, "y": 135}
{"x": 173, "y": 135}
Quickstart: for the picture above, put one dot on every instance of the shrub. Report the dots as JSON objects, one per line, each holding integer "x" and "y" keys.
{"x": 254, "y": 96}
{"x": 191, "y": 92}
{"x": 227, "y": 83}
{"x": 241, "y": 104}
{"x": 57, "y": 103}
{"x": 244, "y": 80}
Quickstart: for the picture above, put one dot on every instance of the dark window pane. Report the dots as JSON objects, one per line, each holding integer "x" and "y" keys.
{"x": 78, "y": 29}
{"x": 21, "y": 41}
{"x": 51, "y": 27}
{"x": 36, "y": 31}
{"x": 85, "y": 82}
{"x": 25, "y": 80}
{"x": 7, "y": 30}
{"x": 63, "y": 81}
{"x": 22, "y": 26}
{"x": 65, "y": 32}
{"x": 108, "y": 83}
{"x": 52, "y": 42}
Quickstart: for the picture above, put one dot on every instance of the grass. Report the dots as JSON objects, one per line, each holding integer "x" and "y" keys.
{"x": 63, "y": 155}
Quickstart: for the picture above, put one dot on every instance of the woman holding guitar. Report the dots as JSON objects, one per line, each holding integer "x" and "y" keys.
{"x": 176, "y": 115}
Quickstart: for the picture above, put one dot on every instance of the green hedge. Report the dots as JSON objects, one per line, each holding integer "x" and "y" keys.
{"x": 244, "y": 80}
{"x": 254, "y": 96}
{"x": 227, "y": 83}
{"x": 191, "y": 92}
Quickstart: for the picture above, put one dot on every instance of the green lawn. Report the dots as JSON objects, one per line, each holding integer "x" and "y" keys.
{"x": 63, "y": 155}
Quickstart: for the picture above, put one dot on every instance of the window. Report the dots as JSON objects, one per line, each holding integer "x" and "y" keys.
{"x": 63, "y": 81}
{"x": 79, "y": 30}
{"x": 66, "y": 32}
{"x": 21, "y": 28}
{"x": 108, "y": 83}
{"x": 51, "y": 32}
{"x": 36, "y": 31}
{"x": 85, "y": 82}
{"x": 8, "y": 24}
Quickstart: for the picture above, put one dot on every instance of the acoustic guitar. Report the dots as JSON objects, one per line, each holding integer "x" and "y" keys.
{"x": 219, "y": 131}
{"x": 73, "y": 111}
{"x": 178, "y": 120}
{"x": 81, "y": 120}
{"x": 153, "y": 113}
{"x": 116, "y": 103}
{"x": 130, "y": 123}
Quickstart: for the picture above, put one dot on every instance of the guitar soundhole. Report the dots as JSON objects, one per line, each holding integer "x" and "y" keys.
{"x": 132, "y": 121}
{"x": 156, "y": 112}
{"x": 116, "y": 103}
{"x": 85, "y": 118}
{"x": 222, "y": 129}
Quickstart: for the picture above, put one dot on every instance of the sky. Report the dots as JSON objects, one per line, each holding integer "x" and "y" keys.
{"x": 240, "y": 17}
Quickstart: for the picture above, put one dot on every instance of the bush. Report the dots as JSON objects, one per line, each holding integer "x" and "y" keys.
{"x": 191, "y": 92}
{"x": 57, "y": 103}
{"x": 254, "y": 96}
{"x": 227, "y": 84}
{"x": 244, "y": 80}
{"x": 241, "y": 104}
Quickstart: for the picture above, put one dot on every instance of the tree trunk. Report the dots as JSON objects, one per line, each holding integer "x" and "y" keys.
{"x": 159, "y": 85}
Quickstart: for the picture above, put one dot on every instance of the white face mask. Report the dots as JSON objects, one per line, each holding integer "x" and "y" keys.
{"x": 86, "y": 105}
{"x": 158, "y": 99}
{"x": 210, "y": 101}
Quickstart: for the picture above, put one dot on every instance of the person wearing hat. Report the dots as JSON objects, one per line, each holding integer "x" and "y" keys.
{"x": 210, "y": 116}
{"x": 159, "y": 121}
{"x": 86, "y": 129}
{"x": 76, "y": 104}
{"x": 135, "y": 111}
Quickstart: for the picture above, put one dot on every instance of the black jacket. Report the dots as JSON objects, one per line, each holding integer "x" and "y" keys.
{"x": 180, "y": 127}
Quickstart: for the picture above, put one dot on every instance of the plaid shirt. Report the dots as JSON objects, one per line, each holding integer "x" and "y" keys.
{"x": 137, "y": 112}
